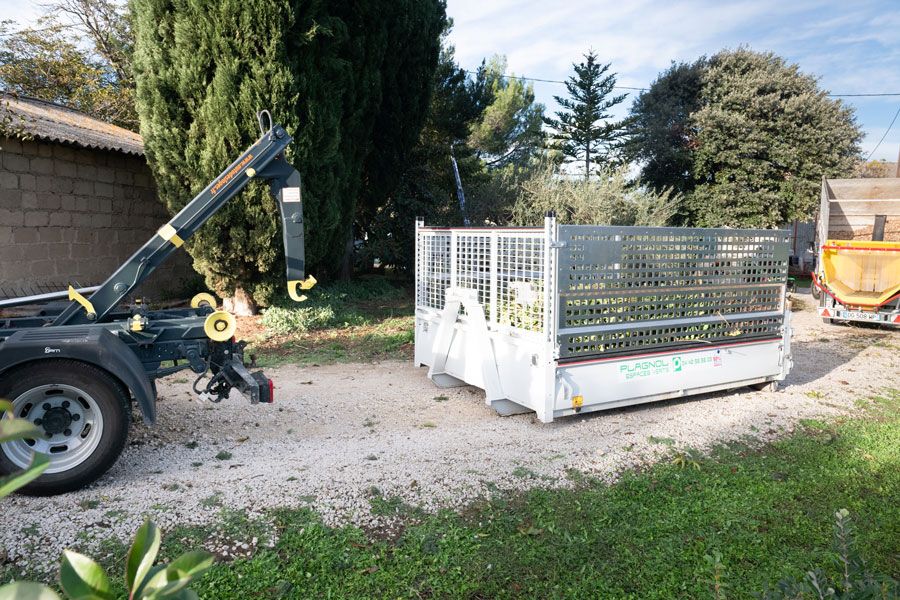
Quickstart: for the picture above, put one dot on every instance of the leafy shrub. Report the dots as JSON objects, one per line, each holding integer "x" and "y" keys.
{"x": 854, "y": 581}
{"x": 608, "y": 199}
{"x": 304, "y": 318}
{"x": 333, "y": 305}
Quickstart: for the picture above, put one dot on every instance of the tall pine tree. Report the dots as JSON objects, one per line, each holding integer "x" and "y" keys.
{"x": 348, "y": 80}
{"x": 582, "y": 130}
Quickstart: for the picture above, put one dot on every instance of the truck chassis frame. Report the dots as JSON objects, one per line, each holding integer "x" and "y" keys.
{"x": 87, "y": 360}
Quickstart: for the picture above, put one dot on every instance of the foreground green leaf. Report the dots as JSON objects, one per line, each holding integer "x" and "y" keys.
{"x": 82, "y": 578}
{"x": 142, "y": 555}
{"x": 11, "y": 483}
{"x": 27, "y": 590}
{"x": 17, "y": 429}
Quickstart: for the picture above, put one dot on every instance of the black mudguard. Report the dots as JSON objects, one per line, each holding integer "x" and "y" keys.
{"x": 90, "y": 344}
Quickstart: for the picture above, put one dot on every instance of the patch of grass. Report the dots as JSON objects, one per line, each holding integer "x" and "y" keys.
{"x": 523, "y": 473}
{"x": 390, "y": 338}
{"x": 213, "y": 500}
{"x": 361, "y": 320}
{"x": 441, "y": 398}
{"x": 663, "y": 441}
{"x": 88, "y": 503}
{"x": 223, "y": 455}
{"x": 646, "y": 536}
{"x": 428, "y": 425}
{"x": 191, "y": 445}
{"x": 339, "y": 304}
{"x": 390, "y": 506}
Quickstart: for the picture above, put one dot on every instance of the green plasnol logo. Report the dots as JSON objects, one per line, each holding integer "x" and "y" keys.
{"x": 676, "y": 362}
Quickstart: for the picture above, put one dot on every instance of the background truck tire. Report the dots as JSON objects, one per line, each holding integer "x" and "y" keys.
{"x": 85, "y": 413}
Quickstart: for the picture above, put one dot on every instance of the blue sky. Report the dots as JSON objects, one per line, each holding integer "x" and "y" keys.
{"x": 853, "y": 46}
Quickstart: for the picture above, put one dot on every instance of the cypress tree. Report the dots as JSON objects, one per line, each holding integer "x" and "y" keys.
{"x": 346, "y": 79}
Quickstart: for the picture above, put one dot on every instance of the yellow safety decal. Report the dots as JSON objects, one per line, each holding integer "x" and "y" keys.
{"x": 251, "y": 172}
{"x": 136, "y": 323}
{"x": 577, "y": 401}
{"x": 84, "y": 302}
{"x": 170, "y": 234}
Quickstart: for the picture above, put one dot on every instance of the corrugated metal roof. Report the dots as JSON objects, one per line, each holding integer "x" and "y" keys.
{"x": 52, "y": 122}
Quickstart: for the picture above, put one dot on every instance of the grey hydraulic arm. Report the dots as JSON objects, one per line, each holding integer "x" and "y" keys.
{"x": 263, "y": 160}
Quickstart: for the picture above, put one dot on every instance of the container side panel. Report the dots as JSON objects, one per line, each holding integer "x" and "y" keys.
{"x": 627, "y": 290}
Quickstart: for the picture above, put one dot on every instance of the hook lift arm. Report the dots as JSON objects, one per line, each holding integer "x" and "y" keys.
{"x": 263, "y": 160}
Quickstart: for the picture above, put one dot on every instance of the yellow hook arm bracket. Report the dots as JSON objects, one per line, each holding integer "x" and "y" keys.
{"x": 170, "y": 234}
{"x": 306, "y": 284}
{"x": 84, "y": 302}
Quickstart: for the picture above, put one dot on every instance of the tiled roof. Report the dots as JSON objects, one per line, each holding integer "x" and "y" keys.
{"x": 51, "y": 122}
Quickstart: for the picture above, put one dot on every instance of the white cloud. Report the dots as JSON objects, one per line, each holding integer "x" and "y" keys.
{"x": 23, "y": 12}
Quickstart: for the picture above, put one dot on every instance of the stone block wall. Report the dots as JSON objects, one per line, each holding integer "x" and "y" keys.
{"x": 72, "y": 215}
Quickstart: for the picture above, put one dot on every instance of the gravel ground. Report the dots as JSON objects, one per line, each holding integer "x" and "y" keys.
{"x": 338, "y": 431}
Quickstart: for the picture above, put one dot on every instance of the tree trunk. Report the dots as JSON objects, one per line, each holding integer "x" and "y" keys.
{"x": 587, "y": 162}
{"x": 347, "y": 260}
{"x": 241, "y": 304}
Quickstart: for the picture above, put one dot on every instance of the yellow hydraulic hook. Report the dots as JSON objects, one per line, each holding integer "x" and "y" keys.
{"x": 303, "y": 285}
{"x": 84, "y": 302}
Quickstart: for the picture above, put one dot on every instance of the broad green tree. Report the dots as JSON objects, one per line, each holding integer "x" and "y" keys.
{"x": 766, "y": 134}
{"x": 509, "y": 127}
{"x": 584, "y": 129}
{"x": 47, "y": 62}
{"x": 661, "y": 137}
{"x": 349, "y": 81}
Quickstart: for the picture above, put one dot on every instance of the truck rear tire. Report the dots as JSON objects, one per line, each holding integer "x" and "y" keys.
{"x": 84, "y": 413}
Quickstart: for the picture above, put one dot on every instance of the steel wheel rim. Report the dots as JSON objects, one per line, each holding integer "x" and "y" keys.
{"x": 69, "y": 407}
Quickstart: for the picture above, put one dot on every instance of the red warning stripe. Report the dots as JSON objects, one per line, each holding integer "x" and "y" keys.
{"x": 842, "y": 303}
{"x": 870, "y": 248}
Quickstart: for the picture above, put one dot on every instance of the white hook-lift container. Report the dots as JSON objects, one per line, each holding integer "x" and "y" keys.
{"x": 567, "y": 319}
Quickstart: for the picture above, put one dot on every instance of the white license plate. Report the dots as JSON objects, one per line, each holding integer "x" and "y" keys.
{"x": 858, "y": 315}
